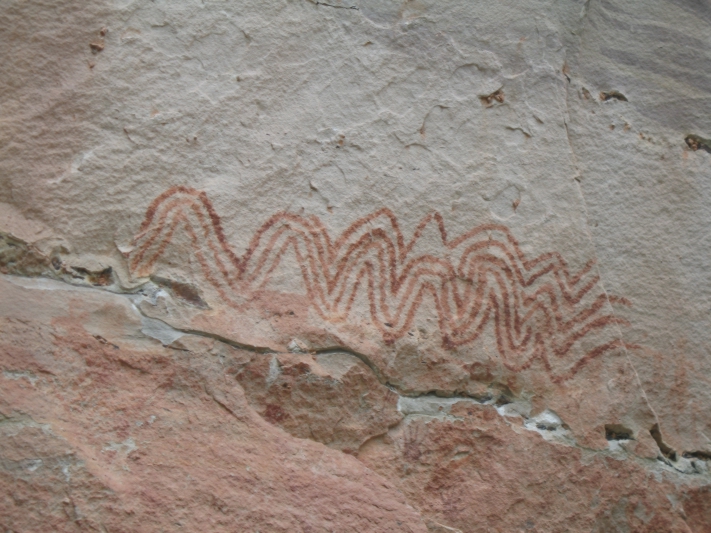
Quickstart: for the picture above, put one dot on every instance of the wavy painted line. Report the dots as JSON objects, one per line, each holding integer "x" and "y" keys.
{"x": 537, "y": 307}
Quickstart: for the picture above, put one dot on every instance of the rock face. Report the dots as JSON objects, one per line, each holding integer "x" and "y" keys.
{"x": 355, "y": 266}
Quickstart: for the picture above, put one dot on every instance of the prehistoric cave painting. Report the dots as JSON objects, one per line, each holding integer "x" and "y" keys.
{"x": 538, "y": 309}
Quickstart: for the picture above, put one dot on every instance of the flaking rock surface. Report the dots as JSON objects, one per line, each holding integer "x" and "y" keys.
{"x": 355, "y": 266}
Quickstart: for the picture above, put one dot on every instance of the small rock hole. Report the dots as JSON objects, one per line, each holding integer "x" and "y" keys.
{"x": 617, "y": 432}
{"x": 612, "y": 95}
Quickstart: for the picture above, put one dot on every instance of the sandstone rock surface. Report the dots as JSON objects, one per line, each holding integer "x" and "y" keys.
{"x": 355, "y": 266}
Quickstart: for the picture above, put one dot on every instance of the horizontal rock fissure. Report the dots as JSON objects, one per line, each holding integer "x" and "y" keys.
{"x": 355, "y": 8}
{"x": 668, "y": 455}
{"x": 706, "y": 456}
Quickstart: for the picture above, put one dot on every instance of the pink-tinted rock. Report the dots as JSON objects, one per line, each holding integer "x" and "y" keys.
{"x": 331, "y": 398}
{"x": 115, "y": 432}
{"x": 477, "y": 471}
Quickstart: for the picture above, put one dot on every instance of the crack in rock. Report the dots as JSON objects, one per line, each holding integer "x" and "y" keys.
{"x": 429, "y": 403}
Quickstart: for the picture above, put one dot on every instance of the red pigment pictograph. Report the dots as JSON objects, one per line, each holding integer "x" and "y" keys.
{"x": 537, "y": 307}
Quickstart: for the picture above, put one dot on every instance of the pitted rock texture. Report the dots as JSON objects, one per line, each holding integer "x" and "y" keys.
{"x": 355, "y": 266}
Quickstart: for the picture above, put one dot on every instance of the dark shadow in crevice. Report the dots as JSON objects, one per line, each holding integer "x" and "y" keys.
{"x": 699, "y": 454}
{"x": 618, "y": 432}
{"x": 666, "y": 450}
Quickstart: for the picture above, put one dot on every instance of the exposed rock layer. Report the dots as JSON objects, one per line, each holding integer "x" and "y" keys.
{"x": 369, "y": 266}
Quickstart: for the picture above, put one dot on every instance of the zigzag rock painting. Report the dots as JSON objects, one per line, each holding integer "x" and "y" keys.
{"x": 534, "y": 308}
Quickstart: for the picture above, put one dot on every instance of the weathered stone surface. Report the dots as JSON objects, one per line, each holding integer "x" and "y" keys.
{"x": 331, "y": 398}
{"x": 417, "y": 265}
{"x": 116, "y": 432}
{"x": 519, "y": 482}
